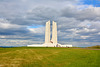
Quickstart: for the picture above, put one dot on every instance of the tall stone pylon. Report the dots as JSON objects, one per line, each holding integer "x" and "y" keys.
{"x": 54, "y": 33}
{"x": 47, "y": 32}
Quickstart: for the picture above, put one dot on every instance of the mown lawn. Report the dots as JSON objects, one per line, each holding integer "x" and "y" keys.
{"x": 49, "y": 57}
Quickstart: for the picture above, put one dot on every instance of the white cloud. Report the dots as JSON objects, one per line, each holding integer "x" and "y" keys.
{"x": 86, "y": 30}
{"x": 2, "y": 36}
{"x": 5, "y": 24}
{"x": 84, "y": 37}
{"x": 39, "y": 30}
{"x": 98, "y": 33}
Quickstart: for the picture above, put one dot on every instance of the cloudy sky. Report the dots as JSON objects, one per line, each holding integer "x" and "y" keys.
{"x": 22, "y": 22}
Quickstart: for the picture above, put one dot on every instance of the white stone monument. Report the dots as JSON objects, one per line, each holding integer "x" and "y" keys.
{"x": 53, "y": 41}
{"x": 50, "y": 42}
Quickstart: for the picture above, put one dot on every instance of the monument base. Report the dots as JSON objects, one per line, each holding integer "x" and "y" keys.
{"x": 48, "y": 45}
{"x": 44, "y": 45}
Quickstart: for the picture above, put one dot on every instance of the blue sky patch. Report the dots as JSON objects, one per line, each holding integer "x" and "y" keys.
{"x": 35, "y": 26}
{"x": 95, "y": 3}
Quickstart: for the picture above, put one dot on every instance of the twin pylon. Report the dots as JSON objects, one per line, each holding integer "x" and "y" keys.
{"x": 54, "y": 33}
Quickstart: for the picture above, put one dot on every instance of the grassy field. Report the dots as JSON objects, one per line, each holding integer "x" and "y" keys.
{"x": 49, "y": 57}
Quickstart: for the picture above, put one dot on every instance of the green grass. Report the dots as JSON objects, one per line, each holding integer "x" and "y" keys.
{"x": 49, "y": 57}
